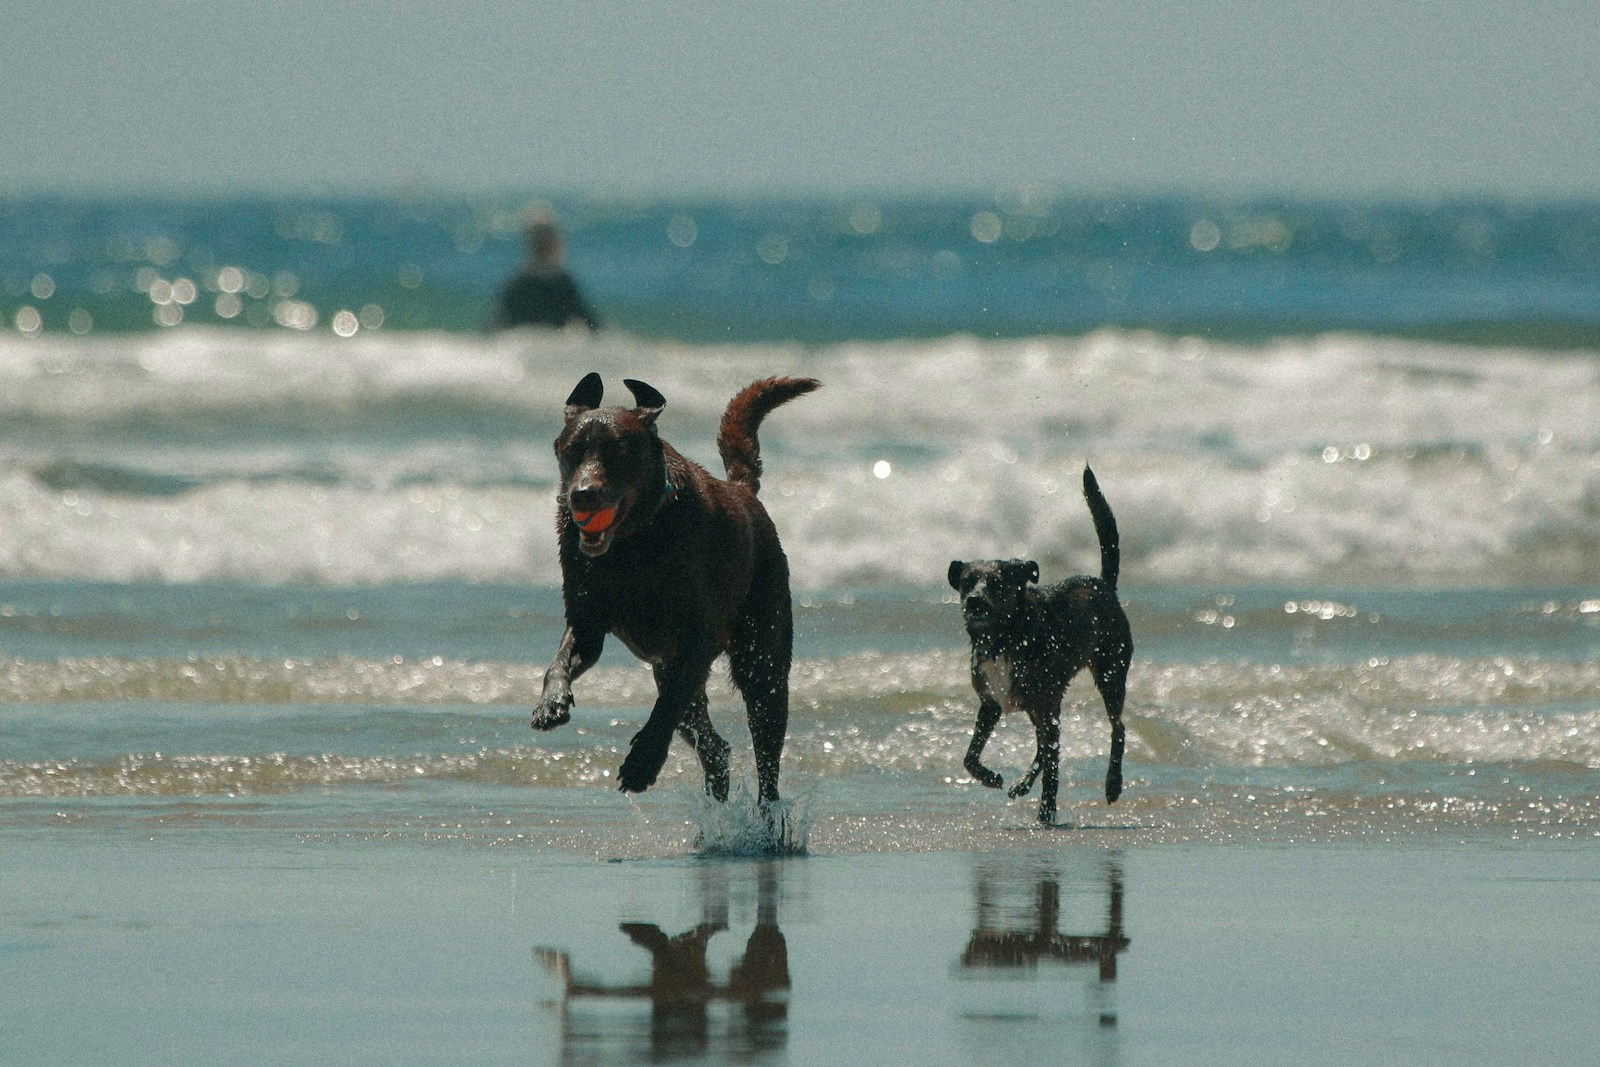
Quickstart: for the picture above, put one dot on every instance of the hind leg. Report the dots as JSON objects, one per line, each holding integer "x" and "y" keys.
{"x": 766, "y": 697}
{"x": 1111, "y": 678}
{"x": 708, "y": 745}
{"x": 760, "y": 662}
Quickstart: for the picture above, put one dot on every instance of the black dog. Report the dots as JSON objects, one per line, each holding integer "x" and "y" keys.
{"x": 1027, "y": 643}
{"x": 682, "y": 567}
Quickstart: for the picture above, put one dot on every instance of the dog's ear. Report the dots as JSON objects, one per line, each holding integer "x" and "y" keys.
{"x": 649, "y": 400}
{"x": 1021, "y": 571}
{"x": 586, "y": 396}
{"x": 954, "y": 576}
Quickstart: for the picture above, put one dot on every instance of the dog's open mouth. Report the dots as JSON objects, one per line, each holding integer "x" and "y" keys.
{"x": 978, "y": 613}
{"x": 597, "y": 528}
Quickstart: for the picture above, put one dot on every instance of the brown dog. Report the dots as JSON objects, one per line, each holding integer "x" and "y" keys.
{"x": 682, "y": 567}
{"x": 1027, "y": 643}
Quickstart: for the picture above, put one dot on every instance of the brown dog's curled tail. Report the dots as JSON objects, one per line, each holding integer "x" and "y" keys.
{"x": 736, "y": 439}
{"x": 1105, "y": 529}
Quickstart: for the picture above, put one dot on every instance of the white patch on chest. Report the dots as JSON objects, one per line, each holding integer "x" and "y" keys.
{"x": 996, "y": 675}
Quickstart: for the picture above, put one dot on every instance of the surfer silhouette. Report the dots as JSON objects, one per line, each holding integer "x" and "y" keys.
{"x": 543, "y": 293}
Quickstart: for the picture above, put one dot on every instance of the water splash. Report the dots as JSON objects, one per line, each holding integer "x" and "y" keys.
{"x": 745, "y": 827}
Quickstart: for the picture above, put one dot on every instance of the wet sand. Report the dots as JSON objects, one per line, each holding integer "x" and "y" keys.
{"x": 240, "y": 948}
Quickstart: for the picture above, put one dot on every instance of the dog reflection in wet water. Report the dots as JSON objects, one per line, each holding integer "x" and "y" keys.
{"x": 681, "y": 567}
{"x": 682, "y": 995}
{"x": 1029, "y": 641}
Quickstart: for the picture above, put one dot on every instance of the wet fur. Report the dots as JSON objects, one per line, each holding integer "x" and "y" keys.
{"x": 1029, "y": 641}
{"x": 690, "y": 569}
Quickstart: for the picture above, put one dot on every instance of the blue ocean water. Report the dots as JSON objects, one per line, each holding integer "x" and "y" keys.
{"x": 1024, "y": 262}
{"x": 278, "y": 584}
{"x": 276, "y": 517}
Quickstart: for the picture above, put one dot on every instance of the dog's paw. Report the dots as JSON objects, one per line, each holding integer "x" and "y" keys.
{"x": 1113, "y": 788}
{"x": 644, "y": 762}
{"x": 548, "y": 714}
{"x": 1021, "y": 789}
{"x": 984, "y": 775}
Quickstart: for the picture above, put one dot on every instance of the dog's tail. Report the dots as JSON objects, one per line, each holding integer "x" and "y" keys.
{"x": 736, "y": 439}
{"x": 1105, "y": 528}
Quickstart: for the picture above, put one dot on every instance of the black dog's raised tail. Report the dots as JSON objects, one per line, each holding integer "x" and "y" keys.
{"x": 736, "y": 438}
{"x": 1105, "y": 528}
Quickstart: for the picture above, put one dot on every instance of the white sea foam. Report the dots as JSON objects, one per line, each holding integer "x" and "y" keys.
{"x": 865, "y": 713}
{"x": 263, "y": 457}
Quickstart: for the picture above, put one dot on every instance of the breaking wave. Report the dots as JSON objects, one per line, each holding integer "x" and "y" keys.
{"x": 212, "y": 456}
{"x": 346, "y": 722}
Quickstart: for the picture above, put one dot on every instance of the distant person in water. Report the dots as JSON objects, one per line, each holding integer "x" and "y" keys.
{"x": 543, "y": 293}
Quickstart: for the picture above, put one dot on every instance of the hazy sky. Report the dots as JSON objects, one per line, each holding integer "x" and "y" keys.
{"x": 1335, "y": 97}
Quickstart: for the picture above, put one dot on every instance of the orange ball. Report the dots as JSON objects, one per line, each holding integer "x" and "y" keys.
{"x": 595, "y": 521}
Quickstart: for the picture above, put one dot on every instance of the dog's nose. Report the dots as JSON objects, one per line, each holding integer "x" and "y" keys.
{"x": 586, "y": 496}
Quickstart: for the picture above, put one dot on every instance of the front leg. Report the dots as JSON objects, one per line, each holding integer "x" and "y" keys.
{"x": 577, "y": 653}
{"x": 1025, "y": 783}
{"x": 1050, "y": 741}
{"x": 988, "y": 715}
{"x": 1046, "y": 758}
{"x": 678, "y": 683}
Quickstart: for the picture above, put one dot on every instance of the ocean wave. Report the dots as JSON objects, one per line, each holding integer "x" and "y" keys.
{"x": 160, "y": 775}
{"x": 1128, "y": 388}
{"x": 1511, "y": 520}
{"x": 278, "y": 532}
{"x": 235, "y": 679}
{"x": 204, "y": 456}
{"x": 439, "y": 720}
{"x": 895, "y": 682}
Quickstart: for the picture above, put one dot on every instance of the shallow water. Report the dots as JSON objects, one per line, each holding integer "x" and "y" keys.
{"x": 212, "y": 947}
{"x": 1260, "y": 715}
{"x": 255, "y": 578}
{"x": 274, "y": 608}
